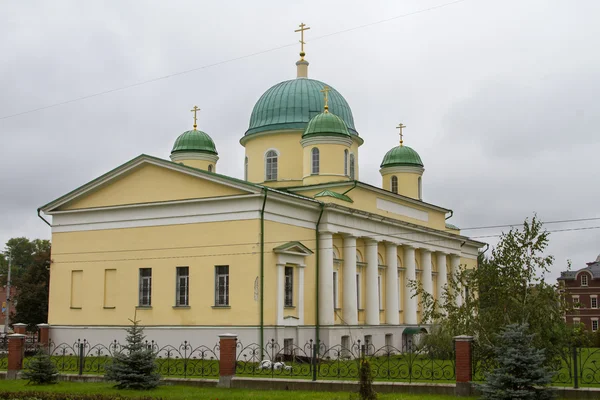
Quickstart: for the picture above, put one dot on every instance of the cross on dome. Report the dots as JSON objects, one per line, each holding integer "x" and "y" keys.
{"x": 303, "y": 28}
{"x": 195, "y": 110}
{"x": 400, "y": 126}
{"x": 325, "y": 92}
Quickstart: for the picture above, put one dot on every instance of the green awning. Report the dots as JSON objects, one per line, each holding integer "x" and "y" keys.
{"x": 414, "y": 330}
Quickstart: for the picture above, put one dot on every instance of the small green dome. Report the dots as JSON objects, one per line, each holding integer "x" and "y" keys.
{"x": 326, "y": 124}
{"x": 401, "y": 156}
{"x": 194, "y": 141}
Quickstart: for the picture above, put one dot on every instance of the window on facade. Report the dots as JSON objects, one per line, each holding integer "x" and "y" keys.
{"x": 358, "y": 291}
{"x": 289, "y": 286}
{"x": 389, "y": 339}
{"x": 335, "y": 289}
{"x": 145, "y": 295}
{"x": 594, "y": 302}
{"x": 420, "y": 188}
{"x": 594, "y": 325}
{"x": 315, "y": 161}
{"x": 222, "y": 285}
{"x": 575, "y": 301}
{"x": 210, "y": 168}
{"x": 394, "y": 184}
{"x": 182, "y": 289}
{"x": 584, "y": 280}
{"x": 368, "y": 344}
{"x": 271, "y": 166}
{"x": 352, "y": 174}
{"x": 246, "y": 168}
{"x": 345, "y": 346}
{"x": 346, "y": 162}
{"x": 288, "y": 347}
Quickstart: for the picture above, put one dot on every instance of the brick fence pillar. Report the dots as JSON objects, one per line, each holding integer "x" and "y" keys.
{"x": 16, "y": 351}
{"x": 227, "y": 346}
{"x": 20, "y": 328}
{"x": 463, "y": 346}
{"x": 44, "y": 335}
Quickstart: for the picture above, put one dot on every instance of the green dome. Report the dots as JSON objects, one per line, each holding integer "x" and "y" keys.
{"x": 401, "y": 156}
{"x": 292, "y": 104}
{"x": 326, "y": 124}
{"x": 194, "y": 141}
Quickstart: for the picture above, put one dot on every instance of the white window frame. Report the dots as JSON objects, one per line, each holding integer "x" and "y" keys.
{"x": 584, "y": 277}
{"x": 594, "y": 320}
{"x": 145, "y": 285}
{"x": 394, "y": 184}
{"x": 182, "y": 286}
{"x": 335, "y": 290}
{"x": 346, "y": 162}
{"x": 594, "y": 299}
{"x": 315, "y": 161}
{"x": 221, "y": 280}
{"x": 576, "y": 321}
{"x": 576, "y": 302}
{"x": 271, "y": 165}
{"x": 288, "y": 288}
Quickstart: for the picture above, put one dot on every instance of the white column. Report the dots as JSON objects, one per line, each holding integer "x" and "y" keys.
{"x": 426, "y": 278}
{"x": 372, "y": 294}
{"x": 410, "y": 303}
{"x": 391, "y": 284}
{"x": 442, "y": 277}
{"x": 349, "y": 310}
{"x": 280, "y": 292}
{"x": 301, "y": 294}
{"x": 326, "y": 312}
{"x": 455, "y": 265}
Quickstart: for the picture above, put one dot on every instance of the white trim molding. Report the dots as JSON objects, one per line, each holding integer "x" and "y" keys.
{"x": 316, "y": 140}
{"x": 192, "y": 155}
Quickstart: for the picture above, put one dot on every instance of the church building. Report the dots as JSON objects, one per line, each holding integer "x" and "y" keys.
{"x": 298, "y": 249}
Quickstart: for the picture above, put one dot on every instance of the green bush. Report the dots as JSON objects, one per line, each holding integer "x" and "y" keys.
{"x": 65, "y": 396}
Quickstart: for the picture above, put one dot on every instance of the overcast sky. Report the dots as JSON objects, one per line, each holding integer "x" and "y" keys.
{"x": 500, "y": 98}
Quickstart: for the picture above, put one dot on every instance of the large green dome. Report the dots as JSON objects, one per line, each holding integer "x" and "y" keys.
{"x": 326, "y": 124}
{"x": 401, "y": 156}
{"x": 194, "y": 141}
{"x": 292, "y": 104}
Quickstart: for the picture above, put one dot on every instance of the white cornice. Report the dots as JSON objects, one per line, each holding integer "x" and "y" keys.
{"x": 190, "y": 155}
{"x": 315, "y": 140}
{"x": 402, "y": 168}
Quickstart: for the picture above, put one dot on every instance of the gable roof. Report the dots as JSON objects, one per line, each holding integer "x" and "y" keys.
{"x": 335, "y": 195}
{"x": 295, "y": 248}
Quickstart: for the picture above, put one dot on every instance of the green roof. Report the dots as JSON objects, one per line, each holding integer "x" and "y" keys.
{"x": 401, "y": 156}
{"x": 413, "y": 330}
{"x": 330, "y": 193}
{"x": 326, "y": 124}
{"x": 195, "y": 141}
{"x": 292, "y": 104}
{"x": 450, "y": 226}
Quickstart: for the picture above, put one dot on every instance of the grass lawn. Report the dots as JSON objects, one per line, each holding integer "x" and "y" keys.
{"x": 187, "y": 392}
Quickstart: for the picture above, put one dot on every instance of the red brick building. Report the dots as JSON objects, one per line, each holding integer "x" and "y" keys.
{"x": 582, "y": 289}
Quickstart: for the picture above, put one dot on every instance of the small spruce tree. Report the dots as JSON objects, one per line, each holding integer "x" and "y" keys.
{"x": 520, "y": 371}
{"x": 134, "y": 366}
{"x": 41, "y": 370}
{"x": 365, "y": 390}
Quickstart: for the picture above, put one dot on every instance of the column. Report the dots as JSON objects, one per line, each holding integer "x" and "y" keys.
{"x": 410, "y": 303}
{"x": 280, "y": 292}
{"x": 455, "y": 265}
{"x": 44, "y": 332}
{"x": 463, "y": 364}
{"x": 349, "y": 310}
{"x": 227, "y": 356}
{"x": 426, "y": 279}
{"x": 326, "y": 312}
{"x": 16, "y": 349}
{"x": 442, "y": 277}
{"x": 391, "y": 284}
{"x": 372, "y": 294}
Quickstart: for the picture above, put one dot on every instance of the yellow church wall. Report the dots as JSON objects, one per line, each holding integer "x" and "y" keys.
{"x": 408, "y": 183}
{"x": 113, "y": 300}
{"x": 199, "y": 164}
{"x": 150, "y": 183}
{"x": 289, "y": 162}
{"x": 331, "y": 164}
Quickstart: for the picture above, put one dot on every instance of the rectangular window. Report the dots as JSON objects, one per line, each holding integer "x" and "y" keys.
{"x": 594, "y": 301}
{"x": 584, "y": 279}
{"x": 110, "y": 288}
{"x": 335, "y": 289}
{"x": 288, "y": 347}
{"x": 182, "y": 287}
{"x": 76, "y": 289}
{"x": 594, "y": 325}
{"x": 379, "y": 292}
{"x": 368, "y": 344}
{"x": 575, "y": 301}
{"x": 345, "y": 351}
{"x": 289, "y": 286}
{"x": 389, "y": 340}
{"x": 222, "y": 285}
{"x": 358, "y": 291}
{"x": 315, "y": 161}
{"x": 145, "y": 299}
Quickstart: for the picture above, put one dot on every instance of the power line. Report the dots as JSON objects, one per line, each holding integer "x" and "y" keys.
{"x": 118, "y": 89}
{"x": 520, "y": 223}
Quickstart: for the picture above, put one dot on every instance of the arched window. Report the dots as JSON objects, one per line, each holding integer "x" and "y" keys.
{"x": 271, "y": 166}
{"x": 394, "y": 184}
{"x": 420, "y": 189}
{"x": 210, "y": 168}
{"x": 246, "y": 168}
{"x": 346, "y": 162}
{"x": 315, "y": 161}
{"x": 352, "y": 175}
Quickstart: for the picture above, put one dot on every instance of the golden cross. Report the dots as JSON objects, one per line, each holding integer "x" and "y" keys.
{"x": 325, "y": 92}
{"x": 195, "y": 110}
{"x": 400, "y": 126}
{"x": 302, "y": 43}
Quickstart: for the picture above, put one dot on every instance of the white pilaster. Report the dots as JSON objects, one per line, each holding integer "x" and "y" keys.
{"x": 280, "y": 292}
{"x": 301, "y": 294}
{"x": 349, "y": 310}
{"x": 442, "y": 276}
{"x": 391, "y": 284}
{"x": 326, "y": 312}
{"x": 410, "y": 303}
{"x": 455, "y": 265}
{"x": 426, "y": 278}
{"x": 372, "y": 294}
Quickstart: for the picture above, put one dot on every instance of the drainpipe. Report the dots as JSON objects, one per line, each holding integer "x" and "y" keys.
{"x": 450, "y": 216}
{"x": 43, "y": 219}
{"x": 487, "y": 247}
{"x": 262, "y": 272}
{"x": 353, "y": 186}
{"x": 317, "y": 272}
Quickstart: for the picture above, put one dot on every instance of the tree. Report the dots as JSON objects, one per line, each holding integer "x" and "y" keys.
{"x": 520, "y": 371}
{"x": 41, "y": 370}
{"x": 365, "y": 390}
{"x": 134, "y": 367}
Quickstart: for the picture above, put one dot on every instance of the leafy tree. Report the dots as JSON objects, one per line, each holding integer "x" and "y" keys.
{"x": 520, "y": 371}
{"x": 134, "y": 367}
{"x": 41, "y": 369}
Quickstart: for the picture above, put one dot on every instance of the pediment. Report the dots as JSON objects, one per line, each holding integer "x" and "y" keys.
{"x": 293, "y": 248}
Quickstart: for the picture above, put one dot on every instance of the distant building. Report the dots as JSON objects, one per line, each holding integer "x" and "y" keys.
{"x": 582, "y": 288}
{"x": 4, "y": 303}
